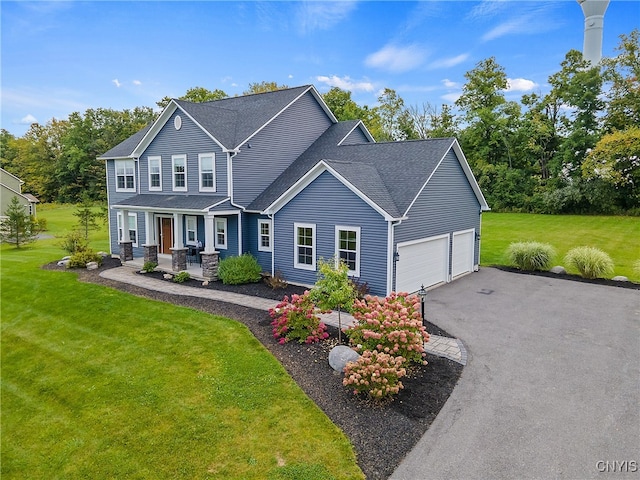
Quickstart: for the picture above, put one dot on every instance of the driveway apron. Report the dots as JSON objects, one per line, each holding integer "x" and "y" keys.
{"x": 552, "y": 383}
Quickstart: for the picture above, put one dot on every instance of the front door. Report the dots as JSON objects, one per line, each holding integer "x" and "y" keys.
{"x": 165, "y": 228}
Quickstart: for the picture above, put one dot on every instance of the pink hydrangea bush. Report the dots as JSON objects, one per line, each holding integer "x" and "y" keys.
{"x": 297, "y": 319}
{"x": 391, "y": 325}
{"x": 376, "y": 374}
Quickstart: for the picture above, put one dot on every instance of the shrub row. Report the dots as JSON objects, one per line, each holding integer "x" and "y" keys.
{"x": 590, "y": 262}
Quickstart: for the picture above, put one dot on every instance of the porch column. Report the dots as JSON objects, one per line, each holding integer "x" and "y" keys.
{"x": 151, "y": 246}
{"x": 126, "y": 245}
{"x": 178, "y": 252}
{"x": 209, "y": 257}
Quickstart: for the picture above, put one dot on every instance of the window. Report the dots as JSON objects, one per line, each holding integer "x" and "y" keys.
{"x": 192, "y": 229}
{"x": 207, "y": 164}
{"x": 348, "y": 248}
{"x": 305, "y": 246}
{"x": 221, "y": 232}
{"x": 125, "y": 176}
{"x": 264, "y": 235}
{"x": 132, "y": 226}
{"x": 179, "y": 163}
{"x": 155, "y": 173}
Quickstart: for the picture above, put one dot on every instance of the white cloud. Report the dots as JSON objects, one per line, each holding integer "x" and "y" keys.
{"x": 137, "y": 82}
{"x": 396, "y": 59}
{"x": 451, "y": 97}
{"x": 520, "y": 85}
{"x": 449, "y": 62}
{"x": 449, "y": 84}
{"x": 27, "y": 120}
{"x": 312, "y": 16}
{"x": 345, "y": 83}
{"x": 290, "y": 76}
{"x": 116, "y": 82}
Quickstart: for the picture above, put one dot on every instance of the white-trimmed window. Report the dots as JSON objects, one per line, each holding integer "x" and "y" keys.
{"x": 348, "y": 248}
{"x": 221, "y": 233}
{"x": 132, "y": 225}
{"x": 305, "y": 246}
{"x": 264, "y": 235}
{"x": 207, "y": 172}
{"x": 179, "y": 168}
{"x": 191, "y": 226}
{"x": 125, "y": 176}
{"x": 155, "y": 173}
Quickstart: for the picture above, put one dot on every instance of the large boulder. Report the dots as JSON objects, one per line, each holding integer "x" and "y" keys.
{"x": 341, "y": 355}
{"x": 92, "y": 266}
{"x": 620, "y": 278}
{"x": 558, "y": 270}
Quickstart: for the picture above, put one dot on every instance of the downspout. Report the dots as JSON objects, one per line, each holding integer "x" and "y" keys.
{"x": 272, "y": 217}
{"x": 391, "y": 256}
{"x": 230, "y": 155}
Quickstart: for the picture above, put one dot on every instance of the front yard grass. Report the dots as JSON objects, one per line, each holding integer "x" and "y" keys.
{"x": 618, "y": 236}
{"x": 97, "y": 383}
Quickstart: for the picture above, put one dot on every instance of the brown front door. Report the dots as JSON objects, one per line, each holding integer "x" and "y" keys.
{"x": 165, "y": 229}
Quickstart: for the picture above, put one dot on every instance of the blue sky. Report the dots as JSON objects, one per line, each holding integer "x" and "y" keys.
{"x": 63, "y": 56}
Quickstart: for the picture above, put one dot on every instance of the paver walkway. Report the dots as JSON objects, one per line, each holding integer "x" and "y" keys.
{"x": 450, "y": 348}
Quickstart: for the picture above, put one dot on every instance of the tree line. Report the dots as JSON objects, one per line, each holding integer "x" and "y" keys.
{"x": 574, "y": 150}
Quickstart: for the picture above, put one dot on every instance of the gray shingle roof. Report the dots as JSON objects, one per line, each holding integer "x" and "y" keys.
{"x": 125, "y": 148}
{"x": 172, "y": 202}
{"x": 390, "y": 174}
{"x": 232, "y": 120}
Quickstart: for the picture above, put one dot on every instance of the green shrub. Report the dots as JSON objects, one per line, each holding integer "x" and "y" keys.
{"x": 80, "y": 259}
{"x": 530, "y": 255}
{"x": 591, "y": 262}
{"x": 41, "y": 224}
{"x": 181, "y": 277}
{"x": 239, "y": 270}
{"x": 149, "y": 266}
{"x": 74, "y": 242}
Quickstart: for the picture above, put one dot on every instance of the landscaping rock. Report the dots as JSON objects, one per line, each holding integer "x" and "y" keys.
{"x": 341, "y": 355}
{"x": 167, "y": 276}
{"x": 68, "y": 257}
{"x": 205, "y": 283}
{"x": 620, "y": 278}
{"x": 92, "y": 266}
{"x": 558, "y": 270}
{"x": 63, "y": 262}
{"x": 103, "y": 254}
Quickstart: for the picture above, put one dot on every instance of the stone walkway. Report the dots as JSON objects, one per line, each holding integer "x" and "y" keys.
{"x": 450, "y": 348}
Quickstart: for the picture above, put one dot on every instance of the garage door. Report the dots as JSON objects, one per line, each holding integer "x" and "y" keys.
{"x": 462, "y": 254}
{"x": 423, "y": 262}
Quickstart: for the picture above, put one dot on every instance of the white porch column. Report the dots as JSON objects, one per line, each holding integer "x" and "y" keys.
{"x": 124, "y": 237}
{"x": 149, "y": 229}
{"x": 209, "y": 234}
{"x": 178, "y": 241}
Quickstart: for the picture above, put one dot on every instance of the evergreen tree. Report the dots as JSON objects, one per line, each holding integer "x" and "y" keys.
{"x": 18, "y": 227}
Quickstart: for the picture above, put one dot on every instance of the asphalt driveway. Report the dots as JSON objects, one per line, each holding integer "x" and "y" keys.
{"x": 552, "y": 384}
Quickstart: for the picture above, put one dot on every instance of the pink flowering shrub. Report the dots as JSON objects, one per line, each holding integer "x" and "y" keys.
{"x": 297, "y": 320}
{"x": 392, "y": 325}
{"x": 375, "y": 373}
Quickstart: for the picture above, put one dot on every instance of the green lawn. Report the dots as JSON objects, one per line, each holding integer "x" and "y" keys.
{"x": 618, "y": 236}
{"x": 97, "y": 383}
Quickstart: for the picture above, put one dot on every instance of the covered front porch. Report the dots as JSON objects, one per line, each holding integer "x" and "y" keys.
{"x": 165, "y": 264}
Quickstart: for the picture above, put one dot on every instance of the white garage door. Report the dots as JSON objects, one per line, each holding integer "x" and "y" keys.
{"x": 424, "y": 262}
{"x": 462, "y": 254}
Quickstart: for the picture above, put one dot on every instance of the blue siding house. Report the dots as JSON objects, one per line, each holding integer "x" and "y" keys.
{"x": 276, "y": 175}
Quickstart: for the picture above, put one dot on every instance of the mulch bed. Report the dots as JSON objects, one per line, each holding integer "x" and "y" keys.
{"x": 381, "y": 434}
{"x": 574, "y": 278}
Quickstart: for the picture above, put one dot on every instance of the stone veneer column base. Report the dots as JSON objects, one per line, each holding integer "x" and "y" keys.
{"x": 210, "y": 265}
{"x": 150, "y": 253}
{"x": 178, "y": 259}
{"x": 126, "y": 251}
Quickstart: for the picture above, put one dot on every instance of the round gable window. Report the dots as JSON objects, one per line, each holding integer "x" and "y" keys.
{"x": 177, "y": 122}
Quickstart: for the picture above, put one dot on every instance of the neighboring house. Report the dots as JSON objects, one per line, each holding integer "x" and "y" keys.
{"x": 11, "y": 186}
{"x": 276, "y": 175}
